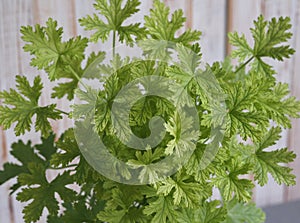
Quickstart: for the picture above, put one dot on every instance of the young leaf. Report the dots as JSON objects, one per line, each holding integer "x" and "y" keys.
{"x": 162, "y": 28}
{"x": 58, "y": 58}
{"x": 271, "y": 162}
{"x": 20, "y": 107}
{"x": 230, "y": 183}
{"x": 270, "y": 40}
{"x": 115, "y": 15}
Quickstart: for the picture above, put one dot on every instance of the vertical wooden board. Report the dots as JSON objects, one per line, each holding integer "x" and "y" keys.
{"x": 176, "y": 4}
{"x": 13, "y": 14}
{"x": 293, "y": 193}
{"x": 64, "y": 12}
{"x": 5, "y": 203}
{"x": 241, "y": 15}
{"x": 240, "y": 18}
{"x": 14, "y": 61}
{"x": 209, "y": 16}
{"x": 82, "y": 9}
{"x": 270, "y": 9}
{"x": 271, "y": 193}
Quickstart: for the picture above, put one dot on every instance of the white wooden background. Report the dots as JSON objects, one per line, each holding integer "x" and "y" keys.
{"x": 213, "y": 17}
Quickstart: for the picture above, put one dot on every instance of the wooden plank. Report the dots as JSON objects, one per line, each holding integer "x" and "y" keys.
{"x": 241, "y": 15}
{"x": 241, "y": 20}
{"x": 13, "y": 15}
{"x": 293, "y": 193}
{"x": 277, "y": 8}
{"x": 209, "y": 16}
{"x": 64, "y": 13}
{"x": 14, "y": 61}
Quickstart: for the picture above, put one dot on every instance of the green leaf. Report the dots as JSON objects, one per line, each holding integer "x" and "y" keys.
{"x": 124, "y": 205}
{"x": 79, "y": 212}
{"x": 209, "y": 212}
{"x": 243, "y": 51}
{"x": 241, "y": 213}
{"x": 186, "y": 192}
{"x": 26, "y": 154}
{"x": 20, "y": 107}
{"x": 230, "y": 183}
{"x": 58, "y": 58}
{"x": 267, "y": 40}
{"x": 184, "y": 136}
{"x": 242, "y": 118}
{"x": 161, "y": 27}
{"x": 274, "y": 102}
{"x": 162, "y": 210}
{"x": 51, "y": 53}
{"x": 270, "y": 40}
{"x": 271, "y": 161}
{"x": 68, "y": 150}
{"x": 115, "y": 15}
{"x": 41, "y": 192}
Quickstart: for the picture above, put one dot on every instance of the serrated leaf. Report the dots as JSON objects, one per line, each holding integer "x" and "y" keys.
{"x": 20, "y": 107}
{"x": 115, "y": 15}
{"x": 43, "y": 195}
{"x": 241, "y": 213}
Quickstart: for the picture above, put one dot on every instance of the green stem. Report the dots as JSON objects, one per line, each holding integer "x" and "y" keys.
{"x": 114, "y": 43}
{"x": 63, "y": 112}
{"x": 244, "y": 64}
{"x": 77, "y": 76}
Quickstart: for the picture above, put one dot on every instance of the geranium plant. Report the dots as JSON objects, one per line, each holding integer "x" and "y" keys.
{"x": 160, "y": 132}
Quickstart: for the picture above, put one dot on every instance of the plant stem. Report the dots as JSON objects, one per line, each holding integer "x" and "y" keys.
{"x": 77, "y": 76}
{"x": 63, "y": 112}
{"x": 244, "y": 64}
{"x": 114, "y": 43}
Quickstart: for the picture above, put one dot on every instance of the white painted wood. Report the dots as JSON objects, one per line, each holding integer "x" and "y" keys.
{"x": 209, "y": 16}
{"x": 293, "y": 193}
{"x": 241, "y": 15}
{"x": 13, "y": 15}
{"x": 272, "y": 193}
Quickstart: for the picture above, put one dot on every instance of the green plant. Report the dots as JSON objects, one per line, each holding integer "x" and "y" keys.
{"x": 250, "y": 104}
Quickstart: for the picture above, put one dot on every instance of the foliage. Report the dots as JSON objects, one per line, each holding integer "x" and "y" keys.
{"x": 256, "y": 108}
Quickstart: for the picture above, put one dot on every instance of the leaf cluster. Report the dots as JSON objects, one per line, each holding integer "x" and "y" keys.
{"x": 232, "y": 105}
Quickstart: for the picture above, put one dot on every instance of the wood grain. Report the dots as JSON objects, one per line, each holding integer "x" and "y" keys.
{"x": 293, "y": 193}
